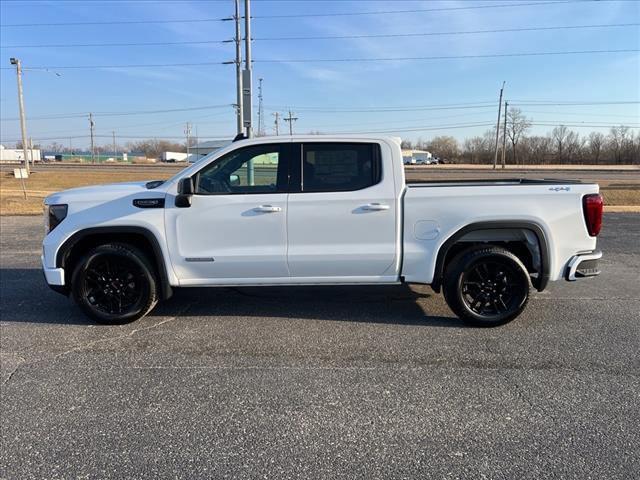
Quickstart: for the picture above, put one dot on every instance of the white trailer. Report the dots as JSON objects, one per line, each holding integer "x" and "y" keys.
{"x": 173, "y": 157}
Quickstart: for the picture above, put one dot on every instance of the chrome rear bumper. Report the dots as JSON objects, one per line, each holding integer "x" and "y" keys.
{"x": 583, "y": 265}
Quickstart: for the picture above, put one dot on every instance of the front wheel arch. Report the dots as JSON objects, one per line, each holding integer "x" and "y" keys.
{"x": 72, "y": 250}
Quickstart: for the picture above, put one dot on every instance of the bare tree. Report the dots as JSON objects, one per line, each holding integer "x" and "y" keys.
{"x": 596, "y": 144}
{"x": 477, "y": 149}
{"x": 444, "y": 147}
{"x": 562, "y": 138}
{"x": 55, "y": 147}
{"x": 619, "y": 139}
{"x": 517, "y": 125}
{"x": 153, "y": 148}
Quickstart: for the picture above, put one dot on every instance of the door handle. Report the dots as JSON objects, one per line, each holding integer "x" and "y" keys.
{"x": 376, "y": 207}
{"x": 267, "y": 209}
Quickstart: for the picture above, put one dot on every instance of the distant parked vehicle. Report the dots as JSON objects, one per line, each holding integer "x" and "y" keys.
{"x": 173, "y": 157}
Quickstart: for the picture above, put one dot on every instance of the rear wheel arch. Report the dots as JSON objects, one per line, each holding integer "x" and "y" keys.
{"x": 464, "y": 239}
{"x": 73, "y": 249}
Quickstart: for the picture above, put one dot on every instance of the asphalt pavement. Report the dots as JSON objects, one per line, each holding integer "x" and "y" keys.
{"x": 376, "y": 382}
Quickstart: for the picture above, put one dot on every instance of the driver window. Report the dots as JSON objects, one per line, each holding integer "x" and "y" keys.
{"x": 247, "y": 170}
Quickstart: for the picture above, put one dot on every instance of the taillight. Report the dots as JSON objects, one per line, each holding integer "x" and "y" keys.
{"x": 592, "y": 206}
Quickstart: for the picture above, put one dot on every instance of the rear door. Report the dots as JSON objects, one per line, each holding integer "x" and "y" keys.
{"x": 342, "y": 213}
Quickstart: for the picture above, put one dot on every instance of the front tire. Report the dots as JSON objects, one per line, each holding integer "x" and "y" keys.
{"x": 114, "y": 284}
{"x": 486, "y": 286}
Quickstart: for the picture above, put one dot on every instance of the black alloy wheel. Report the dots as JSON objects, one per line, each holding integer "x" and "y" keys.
{"x": 486, "y": 286}
{"x": 114, "y": 284}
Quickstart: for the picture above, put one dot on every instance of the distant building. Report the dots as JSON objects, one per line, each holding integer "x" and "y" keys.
{"x": 205, "y": 148}
{"x": 17, "y": 154}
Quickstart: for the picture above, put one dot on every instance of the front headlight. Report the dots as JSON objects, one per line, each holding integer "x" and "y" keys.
{"x": 54, "y": 214}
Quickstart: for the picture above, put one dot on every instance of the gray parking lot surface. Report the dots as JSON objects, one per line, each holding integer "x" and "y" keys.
{"x": 322, "y": 383}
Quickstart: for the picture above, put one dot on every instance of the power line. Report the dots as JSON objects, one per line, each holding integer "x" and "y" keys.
{"x": 135, "y": 65}
{"x": 423, "y": 128}
{"x": 458, "y": 32}
{"x": 545, "y": 103}
{"x": 118, "y": 114}
{"x": 109, "y": 22}
{"x": 384, "y": 109}
{"x": 582, "y": 114}
{"x": 444, "y": 57}
{"x": 475, "y": 105}
{"x": 327, "y": 37}
{"x": 128, "y": 44}
{"x": 335, "y": 14}
{"x": 419, "y": 10}
{"x": 127, "y": 137}
{"x": 325, "y": 60}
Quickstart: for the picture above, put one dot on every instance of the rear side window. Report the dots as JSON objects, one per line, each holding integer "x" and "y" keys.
{"x": 340, "y": 167}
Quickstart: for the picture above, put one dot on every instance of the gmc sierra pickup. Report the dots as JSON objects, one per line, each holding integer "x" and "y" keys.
{"x": 312, "y": 210}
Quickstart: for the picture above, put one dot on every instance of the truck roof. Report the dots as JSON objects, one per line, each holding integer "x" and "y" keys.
{"x": 320, "y": 138}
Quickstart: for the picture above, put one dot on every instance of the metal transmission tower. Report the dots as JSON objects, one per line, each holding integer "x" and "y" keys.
{"x": 92, "y": 126}
{"x": 260, "y": 112}
{"x": 23, "y": 120}
{"x": 290, "y": 119}
{"x": 277, "y": 122}
{"x": 495, "y": 154}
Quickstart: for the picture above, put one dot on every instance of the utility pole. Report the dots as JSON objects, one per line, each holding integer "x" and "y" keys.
{"x": 187, "y": 132}
{"x": 277, "y": 122}
{"x": 246, "y": 75}
{"x": 23, "y": 120}
{"x": 495, "y": 155}
{"x": 260, "y": 113}
{"x": 504, "y": 134}
{"x": 290, "y": 119}
{"x": 31, "y": 150}
{"x": 238, "y": 40}
{"x": 197, "y": 145}
{"x": 115, "y": 153}
{"x": 92, "y": 126}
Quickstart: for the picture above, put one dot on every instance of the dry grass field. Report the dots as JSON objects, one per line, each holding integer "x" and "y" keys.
{"x": 41, "y": 184}
{"x": 619, "y": 195}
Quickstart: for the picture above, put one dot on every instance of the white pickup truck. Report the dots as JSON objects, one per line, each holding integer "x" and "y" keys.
{"x": 318, "y": 210}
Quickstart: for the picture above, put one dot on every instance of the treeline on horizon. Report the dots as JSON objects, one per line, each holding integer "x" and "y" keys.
{"x": 560, "y": 146}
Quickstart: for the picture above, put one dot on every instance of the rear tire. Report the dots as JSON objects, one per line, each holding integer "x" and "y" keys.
{"x": 486, "y": 286}
{"x": 114, "y": 284}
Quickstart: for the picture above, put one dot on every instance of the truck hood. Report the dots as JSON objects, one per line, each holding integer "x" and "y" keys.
{"x": 97, "y": 193}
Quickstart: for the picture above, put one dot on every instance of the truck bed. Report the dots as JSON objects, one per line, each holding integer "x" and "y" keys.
{"x": 433, "y": 213}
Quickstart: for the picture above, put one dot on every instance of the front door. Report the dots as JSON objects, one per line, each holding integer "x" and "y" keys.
{"x": 235, "y": 229}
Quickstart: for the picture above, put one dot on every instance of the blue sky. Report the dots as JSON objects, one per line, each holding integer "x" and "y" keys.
{"x": 307, "y": 88}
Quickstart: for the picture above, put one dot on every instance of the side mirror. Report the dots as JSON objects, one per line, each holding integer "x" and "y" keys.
{"x": 234, "y": 180}
{"x": 185, "y": 191}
